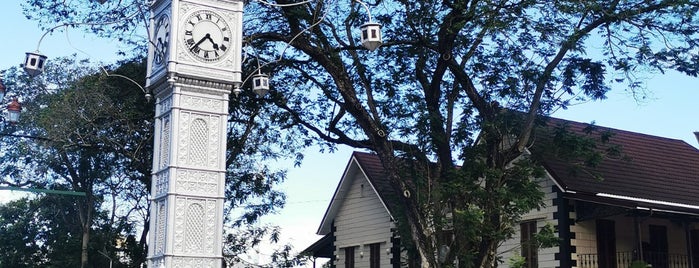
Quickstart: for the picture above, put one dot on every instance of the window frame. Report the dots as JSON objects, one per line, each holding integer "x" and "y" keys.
{"x": 349, "y": 257}
{"x": 530, "y": 251}
{"x": 375, "y": 255}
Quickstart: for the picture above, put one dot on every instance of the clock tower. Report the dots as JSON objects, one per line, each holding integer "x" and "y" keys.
{"x": 193, "y": 64}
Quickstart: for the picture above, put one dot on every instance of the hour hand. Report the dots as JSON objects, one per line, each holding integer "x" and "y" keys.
{"x": 161, "y": 44}
{"x": 212, "y": 42}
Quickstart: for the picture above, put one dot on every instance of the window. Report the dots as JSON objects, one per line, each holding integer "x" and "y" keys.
{"x": 530, "y": 248}
{"x": 375, "y": 255}
{"x": 349, "y": 257}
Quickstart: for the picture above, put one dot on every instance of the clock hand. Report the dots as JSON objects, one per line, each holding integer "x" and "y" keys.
{"x": 200, "y": 41}
{"x": 161, "y": 44}
{"x": 212, "y": 41}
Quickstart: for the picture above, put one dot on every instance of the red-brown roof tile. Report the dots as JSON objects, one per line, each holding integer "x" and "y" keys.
{"x": 655, "y": 168}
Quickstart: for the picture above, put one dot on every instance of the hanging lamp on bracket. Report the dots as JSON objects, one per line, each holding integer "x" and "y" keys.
{"x": 260, "y": 81}
{"x": 260, "y": 84}
{"x": 371, "y": 32}
{"x": 34, "y": 63}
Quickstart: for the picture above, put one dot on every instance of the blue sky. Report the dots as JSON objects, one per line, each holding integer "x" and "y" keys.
{"x": 670, "y": 110}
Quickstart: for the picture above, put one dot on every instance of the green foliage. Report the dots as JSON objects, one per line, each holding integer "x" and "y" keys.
{"x": 546, "y": 237}
{"x": 83, "y": 131}
{"x": 639, "y": 264}
{"x": 517, "y": 261}
{"x": 40, "y": 232}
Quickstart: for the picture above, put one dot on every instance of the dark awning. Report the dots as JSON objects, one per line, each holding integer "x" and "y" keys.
{"x": 323, "y": 248}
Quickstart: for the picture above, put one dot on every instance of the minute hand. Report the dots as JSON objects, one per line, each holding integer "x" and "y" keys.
{"x": 207, "y": 36}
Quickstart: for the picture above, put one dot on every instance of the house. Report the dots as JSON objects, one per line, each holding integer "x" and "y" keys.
{"x": 644, "y": 205}
{"x": 358, "y": 227}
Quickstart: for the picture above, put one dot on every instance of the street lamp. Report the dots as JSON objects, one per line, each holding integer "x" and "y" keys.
{"x": 371, "y": 32}
{"x": 34, "y": 63}
{"x": 260, "y": 84}
{"x": 13, "y": 109}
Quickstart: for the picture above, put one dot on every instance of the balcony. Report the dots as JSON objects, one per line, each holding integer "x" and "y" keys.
{"x": 624, "y": 260}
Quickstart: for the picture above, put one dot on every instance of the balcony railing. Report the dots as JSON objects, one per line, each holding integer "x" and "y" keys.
{"x": 624, "y": 260}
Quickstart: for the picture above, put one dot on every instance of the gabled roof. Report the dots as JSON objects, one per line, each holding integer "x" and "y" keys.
{"x": 370, "y": 167}
{"x": 655, "y": 172}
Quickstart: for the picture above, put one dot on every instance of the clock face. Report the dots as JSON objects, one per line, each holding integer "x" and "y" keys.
{"x": 161, "y": 39}
{"x": 207, "y": 36}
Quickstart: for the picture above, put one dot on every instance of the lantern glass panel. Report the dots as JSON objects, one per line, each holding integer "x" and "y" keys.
{"x": 13, "y": 116}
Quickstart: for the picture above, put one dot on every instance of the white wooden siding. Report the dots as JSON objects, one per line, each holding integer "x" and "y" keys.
{"x": 511, "y": 247}
{"x": 362, "y": 220}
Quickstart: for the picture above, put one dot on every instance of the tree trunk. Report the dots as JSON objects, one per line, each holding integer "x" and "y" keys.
{"x": 85, "y": 211}
{"x": 86, "y": 239}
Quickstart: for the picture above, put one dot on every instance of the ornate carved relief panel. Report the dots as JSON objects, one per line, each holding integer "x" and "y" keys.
{"x": 197, "y": 182}
{"x": 165, "y": 142}
{"x": 160, "y": 228}
{"x": 184, "y": 262}
{"x": 195, "y": 226}
{"x": 162, "y": 182}
{"x": 199, "y": 140}
{"x": 202, "y": 104}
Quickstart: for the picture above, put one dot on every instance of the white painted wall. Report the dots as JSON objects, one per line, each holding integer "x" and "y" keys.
{"x": 362, "y": 220}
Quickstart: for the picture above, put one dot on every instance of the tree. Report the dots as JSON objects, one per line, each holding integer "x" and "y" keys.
{"x": 87, "y": 132}
{"x": 446, "y": 72}
{"x": 26, "y": 240}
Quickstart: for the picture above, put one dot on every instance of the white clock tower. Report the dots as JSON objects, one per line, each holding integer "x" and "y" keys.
{"x": 193, "y": 64}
